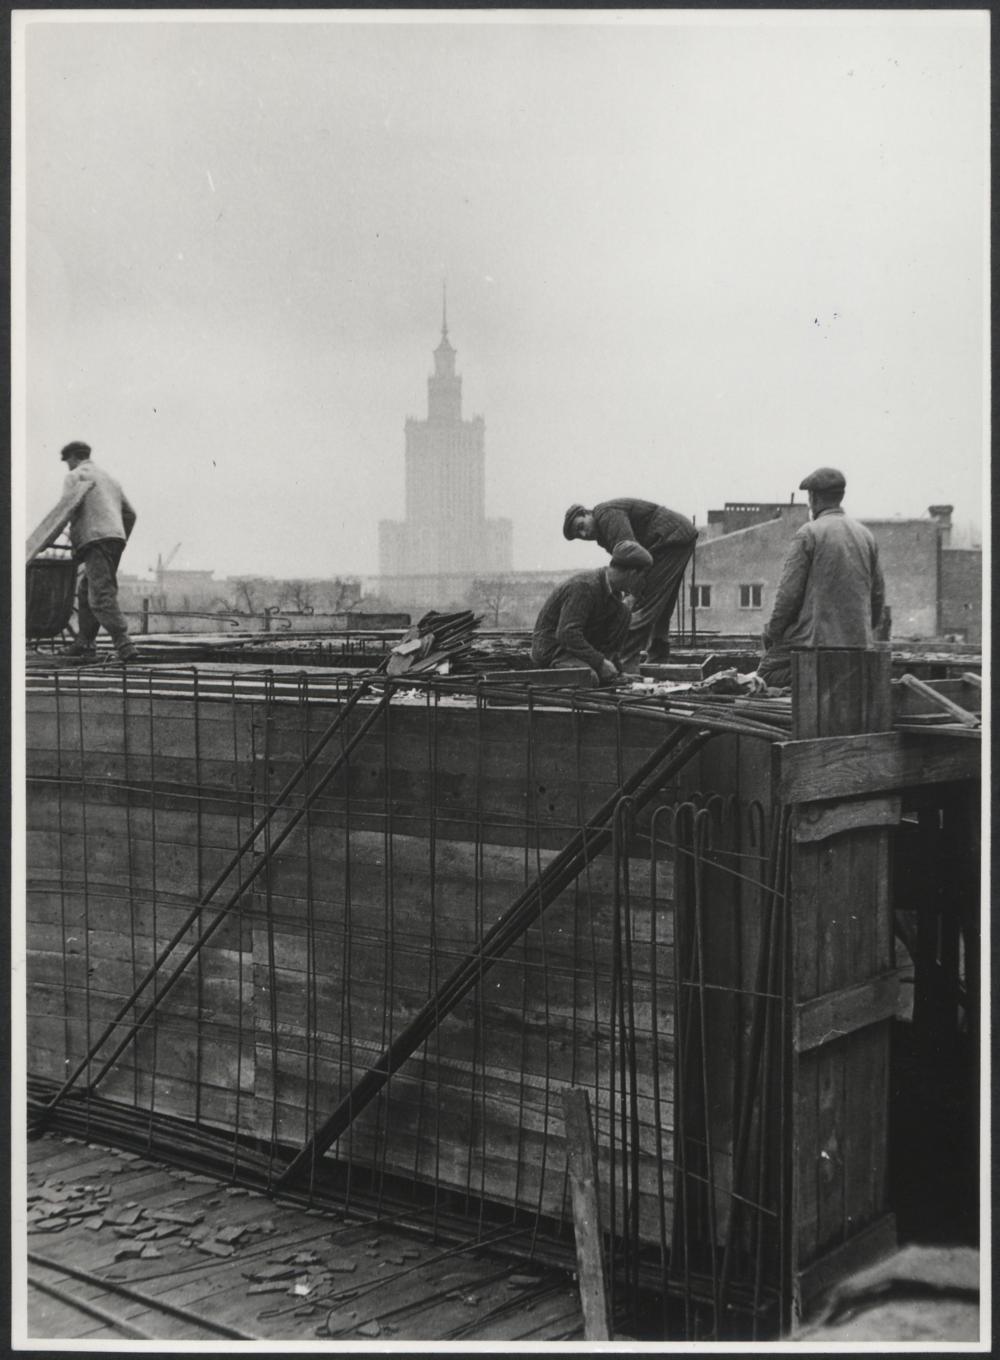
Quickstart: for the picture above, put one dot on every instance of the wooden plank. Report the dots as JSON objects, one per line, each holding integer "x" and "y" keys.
{"x": 806, "y": 894}
{"x": 937, "y": 699}
{"x": 831, "y": 1220}
{"x": 805, "y": 695}
{"x": 825, "y": 1018}
{"x": 942, "y": 729}
{"x": 966, "y": 692}
{"x": 582, "y": 1164}
{"x": 840, "y": 690}
{"x": 803, "y": 1145}
{"x": 838, "y": 767}
{"x": 863, "y": 1249}
{"x": 816, "y": 821}
{"x": 866, "y": 1116}
{"x": 49, "y": 529}
{"x": 576, "y": 677}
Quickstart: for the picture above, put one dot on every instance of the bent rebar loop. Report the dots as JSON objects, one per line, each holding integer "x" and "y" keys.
{"x": 666, "y": 812}
{"x": 757, "y": 824}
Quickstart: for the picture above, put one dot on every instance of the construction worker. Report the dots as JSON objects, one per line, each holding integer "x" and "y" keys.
{"x": 831, "y": 592}
{"x": 99, "y": 527}
{"x": 670, "y": 540}
{"x": 585, "y": 621}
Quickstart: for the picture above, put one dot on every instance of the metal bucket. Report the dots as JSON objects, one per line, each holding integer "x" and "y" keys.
{"x": 50, "y": 591}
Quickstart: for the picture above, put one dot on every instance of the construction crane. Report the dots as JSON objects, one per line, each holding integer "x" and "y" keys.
{"x": 162, "y": 563}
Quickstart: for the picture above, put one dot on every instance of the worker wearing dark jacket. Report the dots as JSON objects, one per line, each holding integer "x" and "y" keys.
{"x": 585, "y": 621}
{"x": 668, "y": 537}
{"x": 831, "y": 591}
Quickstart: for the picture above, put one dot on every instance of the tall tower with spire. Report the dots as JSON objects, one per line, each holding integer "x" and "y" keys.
{"x": 431, "y": 558}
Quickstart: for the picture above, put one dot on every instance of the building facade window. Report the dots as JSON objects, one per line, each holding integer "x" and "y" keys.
{"x": 701, "y": 597}
{"x": 751, "y": 596}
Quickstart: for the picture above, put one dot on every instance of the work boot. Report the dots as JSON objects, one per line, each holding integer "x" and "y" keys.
{"x": 127, "y": 653}
{"x": 80, "y": 650}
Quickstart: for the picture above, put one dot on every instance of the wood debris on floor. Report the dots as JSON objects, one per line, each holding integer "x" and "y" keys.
{"x": 122, "y": 1247}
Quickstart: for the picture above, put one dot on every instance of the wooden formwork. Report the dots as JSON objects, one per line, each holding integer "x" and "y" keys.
{"x": 435, "y": 823}
{"x": 849, "y": 780}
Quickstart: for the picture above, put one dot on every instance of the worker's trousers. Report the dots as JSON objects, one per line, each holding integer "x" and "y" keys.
{"x": 657, "y": 596}
{"x": 97, "y": 597}
{"x": 775, "y": 668}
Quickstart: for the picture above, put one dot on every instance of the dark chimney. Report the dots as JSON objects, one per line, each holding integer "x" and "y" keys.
{"x": 942, "y": 515}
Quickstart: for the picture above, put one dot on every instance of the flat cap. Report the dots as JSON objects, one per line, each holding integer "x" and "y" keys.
{"x": 75, "y": 449}
{"x": 630, "y": 554}
{"x": 824, "y": 479}
{"x": 570, "y": 516}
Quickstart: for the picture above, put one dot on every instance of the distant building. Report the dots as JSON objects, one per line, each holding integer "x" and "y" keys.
{"x": 430, "y": 558}
{"x": 170, "y": 589}
{"x": 932, "y": 589}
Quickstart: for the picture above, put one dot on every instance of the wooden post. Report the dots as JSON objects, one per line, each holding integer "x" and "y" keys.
{"x": 842, "y": 990}
{"x": 837, "y": 692}
{"x": 582, "y": 1160}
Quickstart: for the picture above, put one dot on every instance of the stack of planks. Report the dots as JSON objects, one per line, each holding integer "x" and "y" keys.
{"x": 434, "y": 645}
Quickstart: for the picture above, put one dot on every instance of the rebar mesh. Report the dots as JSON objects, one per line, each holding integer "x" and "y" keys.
{"x": 243, "y": 886}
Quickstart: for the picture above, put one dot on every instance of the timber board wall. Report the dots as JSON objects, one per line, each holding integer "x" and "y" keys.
{"x": 442, "y": 816}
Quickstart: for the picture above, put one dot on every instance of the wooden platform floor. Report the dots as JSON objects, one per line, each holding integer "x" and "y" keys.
{"x": 163, "y": 1254}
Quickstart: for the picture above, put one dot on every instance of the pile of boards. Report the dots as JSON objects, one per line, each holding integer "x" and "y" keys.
{"x": 436, "y": 644}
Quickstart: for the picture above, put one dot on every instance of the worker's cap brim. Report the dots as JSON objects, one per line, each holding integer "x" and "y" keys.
{"x": 824, "y": 479}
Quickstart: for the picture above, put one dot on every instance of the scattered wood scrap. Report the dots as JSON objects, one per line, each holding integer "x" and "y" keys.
{"x": 436, "y": 644}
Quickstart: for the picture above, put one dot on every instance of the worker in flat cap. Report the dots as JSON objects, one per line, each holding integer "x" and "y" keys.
{"x": 585, "y": 621}
{"x": 831, "y": 592}
{"x": 670, "y": 540}
{"x": 100, "y": 521}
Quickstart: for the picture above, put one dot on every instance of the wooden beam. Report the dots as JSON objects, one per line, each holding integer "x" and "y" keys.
{"x": 825, "y": 1018}
{"x": 817, "y": 821}
{"x": 843, "y": 767}
{"x": 939, "y": 700}
{"x": 582, "y": 1163}
{"x": 966, "y": 692}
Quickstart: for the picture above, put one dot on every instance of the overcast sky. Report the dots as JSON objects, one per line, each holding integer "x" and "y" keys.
{"x": 688, "y": 257}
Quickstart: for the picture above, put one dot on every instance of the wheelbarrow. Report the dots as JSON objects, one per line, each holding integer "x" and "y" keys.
{"x": 50, "y": 594}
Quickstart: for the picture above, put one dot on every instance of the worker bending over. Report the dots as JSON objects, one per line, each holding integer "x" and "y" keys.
{"x": 585, "y": 621}
{"x": 668, "y": 537}
{"x": 99, "y": 527}
{"x": 831, "y": 591}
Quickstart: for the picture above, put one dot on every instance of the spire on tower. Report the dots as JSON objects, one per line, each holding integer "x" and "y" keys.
{"x": 445, "y": 352}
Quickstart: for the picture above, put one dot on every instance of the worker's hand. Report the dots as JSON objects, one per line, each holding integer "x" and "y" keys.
{"x": 608, "y": 672}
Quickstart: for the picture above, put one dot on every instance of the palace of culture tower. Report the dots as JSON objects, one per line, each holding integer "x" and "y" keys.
{"x": 430, "y": 558}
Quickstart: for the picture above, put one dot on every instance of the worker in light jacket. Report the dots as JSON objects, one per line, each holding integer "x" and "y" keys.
{"x": 831, "y": 592}
{"x": 668, "y": 537}
{"x": 585, "y": 621}
{"x": 99, "y": 527}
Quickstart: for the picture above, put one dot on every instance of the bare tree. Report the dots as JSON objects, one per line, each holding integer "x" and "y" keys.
{"x": 250, "y": 593}
{"x": 298, "y": 595}
{"x": 337, "y": 595}
{"x": 493, "y": 598}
